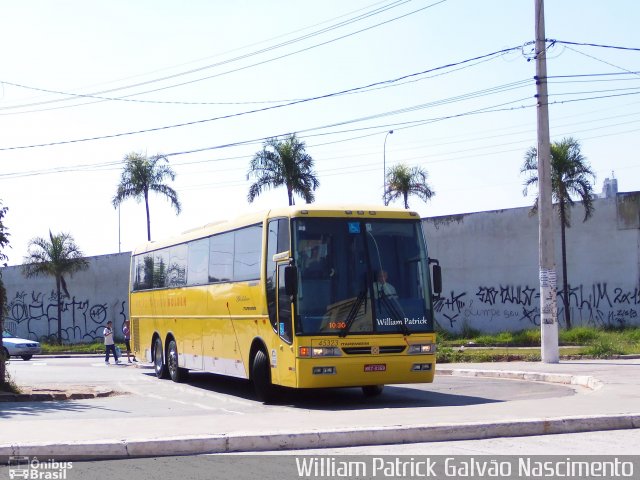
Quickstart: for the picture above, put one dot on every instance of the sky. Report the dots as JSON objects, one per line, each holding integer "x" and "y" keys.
{"x": 206, "y": 82}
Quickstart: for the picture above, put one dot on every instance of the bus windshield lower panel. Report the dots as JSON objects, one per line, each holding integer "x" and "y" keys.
{"x": 361, "y": 277}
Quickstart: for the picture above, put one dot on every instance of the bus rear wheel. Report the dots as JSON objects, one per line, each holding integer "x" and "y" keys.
{"x": 372, "y": 390}
{"x": 176, "y": 373}
{"x": 261, "y": 377}
{"x": 158, "y": 361}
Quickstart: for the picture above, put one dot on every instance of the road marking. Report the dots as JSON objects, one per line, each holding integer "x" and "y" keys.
{"x": 155, "y": 396}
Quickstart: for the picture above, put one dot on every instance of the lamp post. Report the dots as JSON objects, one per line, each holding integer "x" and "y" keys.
{"x": 384, "y": 167}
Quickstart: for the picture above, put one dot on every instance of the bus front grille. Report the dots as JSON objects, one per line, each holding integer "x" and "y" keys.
{"x": 367, "y": 350}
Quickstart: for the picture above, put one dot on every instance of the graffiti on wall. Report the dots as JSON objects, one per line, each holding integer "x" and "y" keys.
{"x": 35, "y": 315}
{"x": 595, "y": 305}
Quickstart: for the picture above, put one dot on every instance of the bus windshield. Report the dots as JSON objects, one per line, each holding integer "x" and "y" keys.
{"x": 361, "y": 276}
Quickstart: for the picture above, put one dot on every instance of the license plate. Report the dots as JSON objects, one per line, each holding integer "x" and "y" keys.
{"x": 378, "y": 367}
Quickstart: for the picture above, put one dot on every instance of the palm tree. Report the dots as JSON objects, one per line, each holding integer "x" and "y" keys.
{"x": 4, "y": 241}
{"x": 142, "y": 175}
{"x": 283, "y": 163}
{"x": 56, "y": 257}
{"x": 403, "y": 181}
{"x": 570, "y": 176}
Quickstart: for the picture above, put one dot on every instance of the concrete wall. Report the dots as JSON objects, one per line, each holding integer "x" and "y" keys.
{"x": 490, "y": 266}
{"x": 97, "y": 295}
{"x": 489, "y": 263}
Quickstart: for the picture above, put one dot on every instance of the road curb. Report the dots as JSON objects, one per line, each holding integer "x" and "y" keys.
{"x": 321, "y": 439}
{"x": 586, "y": 381}
{"x": 51, "y": 396}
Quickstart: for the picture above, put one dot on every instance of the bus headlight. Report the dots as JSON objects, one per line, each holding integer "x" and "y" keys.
{"x": 422, "y": 348}
{"x": 319, "y": 352}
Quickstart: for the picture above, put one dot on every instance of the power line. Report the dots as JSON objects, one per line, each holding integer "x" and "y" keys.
{"x": 599, "y": 45}
{"x": 246, "y": 56}
{"x": 264, "y": 109}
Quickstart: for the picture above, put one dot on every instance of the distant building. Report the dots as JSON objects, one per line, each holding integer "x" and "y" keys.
{"x": 609, "y": 188}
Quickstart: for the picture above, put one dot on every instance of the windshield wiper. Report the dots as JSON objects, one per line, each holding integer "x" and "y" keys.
{"x": 395, "y": 311}
{"x": 355, "y": 308}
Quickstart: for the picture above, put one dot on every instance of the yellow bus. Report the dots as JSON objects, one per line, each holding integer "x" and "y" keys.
{"x": 301, "y": 297}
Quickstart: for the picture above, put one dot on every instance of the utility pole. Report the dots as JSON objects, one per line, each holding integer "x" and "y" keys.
{"x": 548, "y": 300}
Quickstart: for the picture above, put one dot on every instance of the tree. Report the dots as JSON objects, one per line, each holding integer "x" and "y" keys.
{"x": 4, "y": 242}
{"x": 283, "y": 163}
{"x": 142, "y": 175}
{"x": 570, "y": 176}
{"x": 403, "y": 181}
{"x": 56, "y": 257}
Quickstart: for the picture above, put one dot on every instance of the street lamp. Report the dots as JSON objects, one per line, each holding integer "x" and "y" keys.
{"x": 384, "y": 166}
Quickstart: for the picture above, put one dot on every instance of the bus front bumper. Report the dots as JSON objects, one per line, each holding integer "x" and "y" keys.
{"x": 331, "y": 372}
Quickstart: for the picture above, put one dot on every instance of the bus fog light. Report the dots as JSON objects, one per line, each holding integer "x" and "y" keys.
{"x": 324, "y": 370}
{"x": 419, "y": 367}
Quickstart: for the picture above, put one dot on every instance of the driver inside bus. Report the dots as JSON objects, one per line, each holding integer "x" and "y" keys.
{"x": 382, "y": 288}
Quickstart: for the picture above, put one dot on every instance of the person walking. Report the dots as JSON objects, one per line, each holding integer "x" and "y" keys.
{"x": 109, "y": 344}
{"x": 126, "y": 330}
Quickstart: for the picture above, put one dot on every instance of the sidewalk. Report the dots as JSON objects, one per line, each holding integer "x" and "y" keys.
{"x": 607, "y": 397}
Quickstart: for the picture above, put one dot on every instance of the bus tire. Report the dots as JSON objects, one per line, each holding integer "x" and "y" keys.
{"x": 261, "y": 377}
{"x": 159, "y": 365}
{"x": 176, "y": 373}
{"x": 372, "y": 390}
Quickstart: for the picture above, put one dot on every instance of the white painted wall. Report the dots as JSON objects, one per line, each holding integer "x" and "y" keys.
{"x": 490, "y": 266}
{"x": 97, "y": 295}
{"x": 489, "y": 263}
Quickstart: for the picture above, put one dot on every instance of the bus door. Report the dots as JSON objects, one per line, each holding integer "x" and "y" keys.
{"x": 281, "y": 354}
{"x": 284, "y": 360}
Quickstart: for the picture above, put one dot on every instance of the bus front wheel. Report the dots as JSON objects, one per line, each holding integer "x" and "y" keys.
{"x": 261, "y": 377}
{"x": 176, "y": 373}
{"x": 158, "y": 361}
{"x": 372, "y": 390}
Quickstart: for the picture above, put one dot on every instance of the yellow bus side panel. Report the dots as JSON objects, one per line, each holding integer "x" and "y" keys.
{"x": 213, "y": 325}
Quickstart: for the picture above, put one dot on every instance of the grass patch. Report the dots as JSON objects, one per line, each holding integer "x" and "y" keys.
{"x": 9, "y": 385}
{"x": 94, "y": 347}
{"x": 499, "y": 354}
{"x": 579, "y": 336}
{"x": 604, "y": 348}
{"x": 504, "y": 346}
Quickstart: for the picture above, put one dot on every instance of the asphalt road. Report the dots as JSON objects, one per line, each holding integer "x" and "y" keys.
{"x": 143, "y": 395}
{"x": 213, "y": 404}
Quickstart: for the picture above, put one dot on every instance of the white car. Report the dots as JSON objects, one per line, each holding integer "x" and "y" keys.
{"x": 18, "y": 347}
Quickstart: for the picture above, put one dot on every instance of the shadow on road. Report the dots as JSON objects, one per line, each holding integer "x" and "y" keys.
{"x": 443, "y": 393}
{"x": 35, "y": 408}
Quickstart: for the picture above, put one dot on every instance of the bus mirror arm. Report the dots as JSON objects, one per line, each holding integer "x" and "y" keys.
{"x": 437, "y": 278}
{"x": 291, "y": 280}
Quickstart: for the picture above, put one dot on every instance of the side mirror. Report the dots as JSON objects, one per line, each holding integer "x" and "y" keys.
{"x": 291, "y": 280}
{"x": 436, "y": 278}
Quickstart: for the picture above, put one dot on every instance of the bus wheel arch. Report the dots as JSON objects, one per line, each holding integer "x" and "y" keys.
{"x": 175, "y": 372}
{"x": 157, "y": 356}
